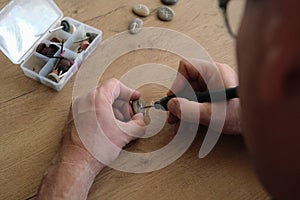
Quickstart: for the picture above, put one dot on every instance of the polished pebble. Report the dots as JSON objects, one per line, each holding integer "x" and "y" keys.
{"x": 165, "y": 13}
{"x": 136, "y": 26}
{"x": 169, "y": 2}
{"x": 141, "y": 10}
{"x": 138, "y": 106}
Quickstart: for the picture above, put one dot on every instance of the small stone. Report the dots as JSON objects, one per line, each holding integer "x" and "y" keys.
{"x": 165, "y": 13}
{"x": 136, "y": 26}
{"x": 169, "y": 2}
{"x": 141, "y": 10}
{"x": 138, "y": 106}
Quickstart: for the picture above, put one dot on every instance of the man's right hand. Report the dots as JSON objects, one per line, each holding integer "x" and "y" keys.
{"x": 190, "y": 74}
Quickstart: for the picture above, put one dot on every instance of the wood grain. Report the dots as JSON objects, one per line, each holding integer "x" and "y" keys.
{"x": 33, "y": 116}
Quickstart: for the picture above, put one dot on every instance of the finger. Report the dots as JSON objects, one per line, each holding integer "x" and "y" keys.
{"x": 114, "y": 89}
{"x": 184, "y": 109}
{"x": 106, "y": 95}
{"x": 118, "y": 114}
{"x": 124, "y": 107}
{"x": 120, "y": 91}
{"x": 189, "y": 74}
{"x": 190, "y": 111}
{"x": 139, "y": 119}
{"x": 134, "y": 128}
{"x": 182, "y": 77}
{"x": 210, "y": 72}
{"x": 230, "y": 77}
{"x": 176, "y": 127}
{"x": 172, "y": 119}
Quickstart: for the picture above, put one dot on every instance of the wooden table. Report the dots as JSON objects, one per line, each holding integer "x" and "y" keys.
{"x": 33, "y": 116}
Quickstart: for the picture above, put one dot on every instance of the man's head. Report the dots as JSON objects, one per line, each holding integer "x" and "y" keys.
{"x": 269, "y": 68}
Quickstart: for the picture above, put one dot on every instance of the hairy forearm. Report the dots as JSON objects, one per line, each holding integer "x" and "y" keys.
{"x": 70, "y": 175}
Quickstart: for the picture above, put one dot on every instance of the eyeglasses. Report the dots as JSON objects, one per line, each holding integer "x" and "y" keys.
{"x": 232, "y": 11}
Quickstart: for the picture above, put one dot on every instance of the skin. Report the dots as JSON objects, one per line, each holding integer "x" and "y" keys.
{"x": 269, "y": 71}
{"x": 74, "y": 168}
{"x": 269, "y": 90}
{"x": 195, "y": 72}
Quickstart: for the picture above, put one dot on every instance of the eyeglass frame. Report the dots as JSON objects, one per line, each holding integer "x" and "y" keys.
{"x": 223, "y": 6}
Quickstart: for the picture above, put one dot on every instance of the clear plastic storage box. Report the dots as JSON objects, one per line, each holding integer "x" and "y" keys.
{"x": 25, "y": 24}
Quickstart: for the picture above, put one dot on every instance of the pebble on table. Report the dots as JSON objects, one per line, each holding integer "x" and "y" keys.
{"x": 165, "y": 13}
{"x": 169, "y": 2}
{"x": 141, "y": 10}
{"x": 136, "y": 26}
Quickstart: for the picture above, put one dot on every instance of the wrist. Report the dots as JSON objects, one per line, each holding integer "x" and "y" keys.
{"x": 70, "y": 175}
{"x": 76, "y": 155}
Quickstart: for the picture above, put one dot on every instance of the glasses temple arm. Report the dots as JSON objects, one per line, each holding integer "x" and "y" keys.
{"x": 223, "y": 6}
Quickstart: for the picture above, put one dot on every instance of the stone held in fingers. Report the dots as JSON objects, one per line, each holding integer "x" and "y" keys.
{"x": 165, "y": 13}
{"x": 141, "y": 10}
{"x": 169, "y": 2}
{"x": 136, "y": 26}
{"x": 138, "y": 106}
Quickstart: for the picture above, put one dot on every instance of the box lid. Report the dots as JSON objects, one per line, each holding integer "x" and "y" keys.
{"x": 23, "y": 23}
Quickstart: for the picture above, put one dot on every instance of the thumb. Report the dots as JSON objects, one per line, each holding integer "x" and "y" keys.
{"x": 139, "y": 119}
{"x": 135, "y": 128}
{"x": 188, "y": 111}
{"x": 138, "y": 124}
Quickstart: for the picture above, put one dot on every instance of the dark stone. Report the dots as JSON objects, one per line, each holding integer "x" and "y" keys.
{"x": 169, "y": 2}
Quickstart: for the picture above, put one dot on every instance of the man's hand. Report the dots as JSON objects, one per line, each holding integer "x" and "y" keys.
{"x": 200, "y": 73}
{"x": 75, "y": 166}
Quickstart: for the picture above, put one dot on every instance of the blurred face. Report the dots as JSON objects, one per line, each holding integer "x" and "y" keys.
{"x": 268, "y": 41}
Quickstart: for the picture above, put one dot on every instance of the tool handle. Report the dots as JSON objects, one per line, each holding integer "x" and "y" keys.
{"x": 202, "y": 97}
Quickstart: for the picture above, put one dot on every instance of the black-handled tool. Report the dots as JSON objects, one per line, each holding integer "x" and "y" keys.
{"x": 202, "y": 97}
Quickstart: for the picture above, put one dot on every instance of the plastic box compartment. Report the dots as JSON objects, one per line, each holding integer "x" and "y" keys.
{"x": 35, "y": 65}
